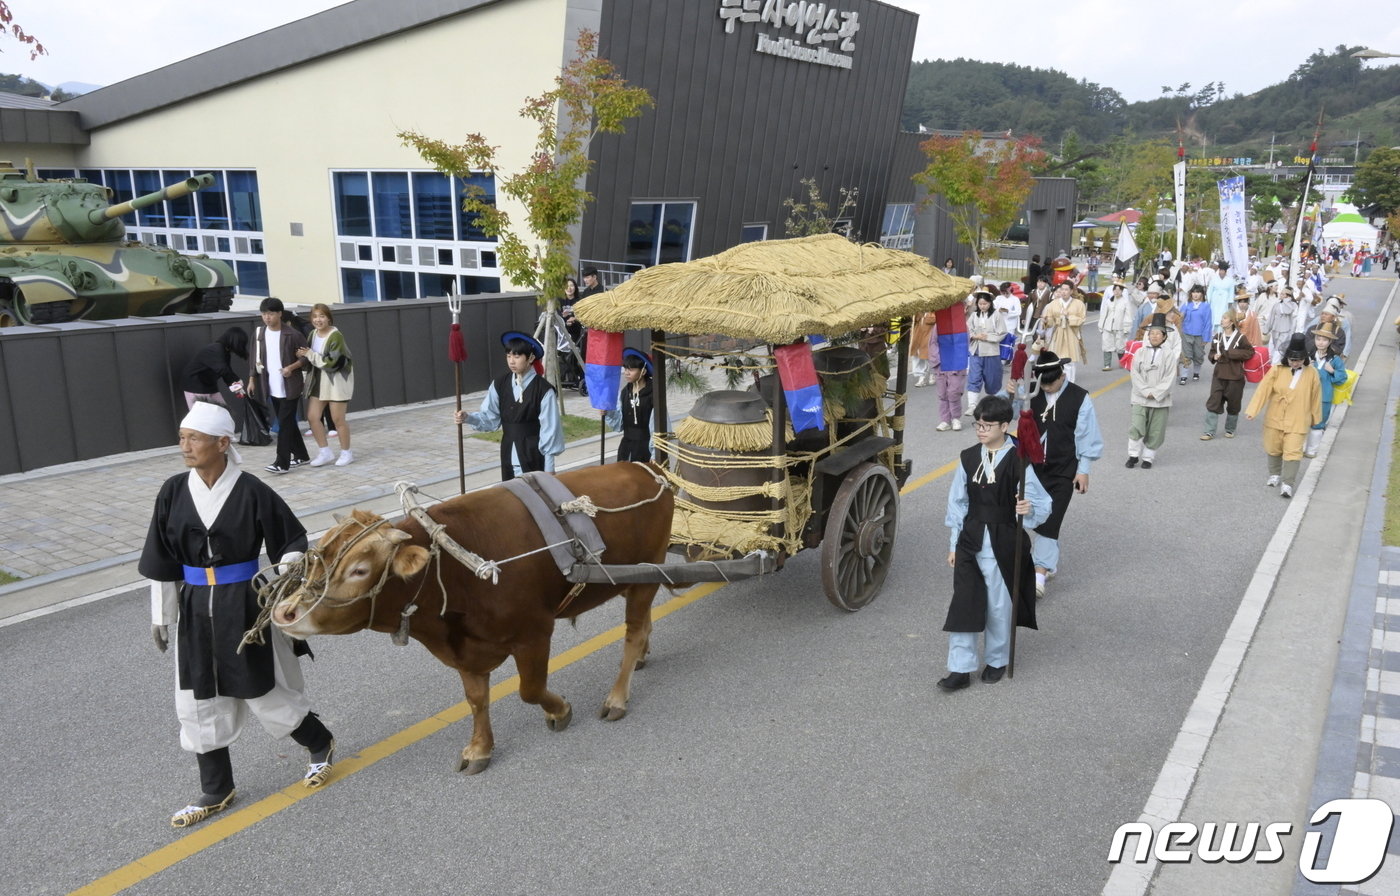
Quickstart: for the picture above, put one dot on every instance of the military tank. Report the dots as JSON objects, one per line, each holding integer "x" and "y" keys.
{"x": 64, "y": 256}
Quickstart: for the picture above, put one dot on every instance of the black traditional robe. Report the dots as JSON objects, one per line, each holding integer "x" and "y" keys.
{"x": 213, "y": 618}
{"x": 520, "y": 424}
{"x": 991, "y": 507}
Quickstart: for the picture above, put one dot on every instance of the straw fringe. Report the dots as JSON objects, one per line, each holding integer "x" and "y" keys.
{"x": 777, "y": 291}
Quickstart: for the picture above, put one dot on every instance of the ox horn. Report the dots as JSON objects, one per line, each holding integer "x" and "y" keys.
{"x": 397, "y": 536}
{"x": 338, "y": 517}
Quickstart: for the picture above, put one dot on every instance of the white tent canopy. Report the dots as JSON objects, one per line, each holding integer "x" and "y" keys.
{"x": 1349, "y": 225}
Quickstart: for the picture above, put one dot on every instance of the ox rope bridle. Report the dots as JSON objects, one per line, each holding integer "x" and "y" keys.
{"x": 298, "y": 573}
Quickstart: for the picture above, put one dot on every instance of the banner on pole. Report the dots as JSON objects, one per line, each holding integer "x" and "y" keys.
{"x": 602, "y": 369}
{"x": 1127, "y": 246}
{"x": 1234, "y": 237}
{"x": 951, "y": 324}
{"x": 1179, "y": 191}
{"x": 801, "y": 388}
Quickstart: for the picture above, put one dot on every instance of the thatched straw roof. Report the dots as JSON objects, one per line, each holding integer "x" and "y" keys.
{"x": 777, "y": 291}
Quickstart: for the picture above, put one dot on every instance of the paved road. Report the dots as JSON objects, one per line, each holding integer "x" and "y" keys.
{"x": 774, "y": 744}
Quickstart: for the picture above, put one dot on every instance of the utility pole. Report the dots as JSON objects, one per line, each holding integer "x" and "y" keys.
{"x": 1271, "y": 149}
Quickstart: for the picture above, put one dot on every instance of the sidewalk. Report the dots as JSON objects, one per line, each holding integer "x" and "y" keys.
{"x": 75, "y": 529}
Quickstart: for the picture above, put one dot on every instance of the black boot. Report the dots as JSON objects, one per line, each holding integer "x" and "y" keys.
{"x": 993, "y": 674}
{"x": 955, "y": 681}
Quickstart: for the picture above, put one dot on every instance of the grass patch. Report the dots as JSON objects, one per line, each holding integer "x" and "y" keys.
{"x": 1390, "y": 534}
{"x": 575, "y": 428}
{"x": 7, "y": 579}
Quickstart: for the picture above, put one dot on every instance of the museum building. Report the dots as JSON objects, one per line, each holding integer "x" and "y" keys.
{"x": 317, "y": 199}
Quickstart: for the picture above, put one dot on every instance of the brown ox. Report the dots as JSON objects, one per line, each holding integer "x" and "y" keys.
{"x": 484, "y": 622}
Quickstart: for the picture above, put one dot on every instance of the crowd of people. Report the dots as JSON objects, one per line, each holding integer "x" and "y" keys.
{"x": 1270, "y": 326}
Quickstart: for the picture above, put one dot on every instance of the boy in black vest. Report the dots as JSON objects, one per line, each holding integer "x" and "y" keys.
{"x": 522, "y": 405}
{"x": 982, "y": 514}
{"x": 1069, "y": 427}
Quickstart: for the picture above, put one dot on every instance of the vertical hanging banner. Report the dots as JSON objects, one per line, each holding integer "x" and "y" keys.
{"x": 1127, "y": 248}
{"x": 1234, "y": 236}
{"x": 801, "y": 387}
{"x": 952, "y": 338}
{"x": 602, "y": 369}
{"x": 1179, "y": 191}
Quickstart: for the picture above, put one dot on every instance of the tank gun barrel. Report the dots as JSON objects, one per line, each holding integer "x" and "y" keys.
{"x": 173, "y": 191}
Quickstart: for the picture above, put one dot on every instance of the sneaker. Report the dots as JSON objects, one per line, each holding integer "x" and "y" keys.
{"x": 332, "y": 433}
{"x": 957, "y": 424}
{"x": 943, "y": 427}
{"x": 323, "y": 457}
{"x": 1207, "y": 436}
{"x": 1272, "y": 481}
{"x": 1229, "y": 435}
{"x": 298, "y": 461}
{"x": 306, "y": 432}
{"x": 345, "y": 458}
{"x": 1195, "y": 376}
{"x": 1105, "y": 367}
{"x": 273, "y": 468}
{"x": 1285, "y": 490}
{"x": 1039, "y": 587}
{"x": 1310, "y": 454}
{"x": 1181, "y": 382}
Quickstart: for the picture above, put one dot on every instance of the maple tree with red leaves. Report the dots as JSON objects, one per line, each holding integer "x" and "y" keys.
{"x": 8, "y": 23}
{"x": 982, "y": 183}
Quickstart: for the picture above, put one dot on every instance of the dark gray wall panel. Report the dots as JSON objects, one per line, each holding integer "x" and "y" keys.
{"x": 737, "y": 130}
{"x": 90, "y": 389}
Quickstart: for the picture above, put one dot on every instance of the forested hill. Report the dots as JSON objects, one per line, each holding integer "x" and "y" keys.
{"x": 964, "y": 94}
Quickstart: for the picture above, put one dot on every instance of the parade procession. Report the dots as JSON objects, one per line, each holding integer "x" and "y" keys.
{"x": 781, "y": 463}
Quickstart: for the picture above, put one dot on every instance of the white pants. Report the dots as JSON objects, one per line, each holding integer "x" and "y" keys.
{"x": 217, "y": 721}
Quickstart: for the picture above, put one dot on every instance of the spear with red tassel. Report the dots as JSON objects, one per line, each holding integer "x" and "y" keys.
{"x": 457, "y": 353}
{"x": 1028, "y": 451}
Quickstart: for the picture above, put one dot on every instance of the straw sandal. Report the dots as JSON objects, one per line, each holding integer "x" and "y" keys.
{"x": 193, "y": 815}
{"x": 317, "y": 773}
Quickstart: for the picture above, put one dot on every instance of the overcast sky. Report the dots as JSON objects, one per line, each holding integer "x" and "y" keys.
{"x": 1131, "y": 46}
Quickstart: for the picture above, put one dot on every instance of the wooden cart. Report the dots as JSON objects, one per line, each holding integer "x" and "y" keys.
{"x": 836, "y": 489}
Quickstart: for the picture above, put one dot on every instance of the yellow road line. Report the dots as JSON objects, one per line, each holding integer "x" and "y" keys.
{"x": 230, "y": 823}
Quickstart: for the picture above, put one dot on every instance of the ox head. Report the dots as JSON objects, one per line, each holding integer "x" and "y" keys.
{"x": 344, "y": 574}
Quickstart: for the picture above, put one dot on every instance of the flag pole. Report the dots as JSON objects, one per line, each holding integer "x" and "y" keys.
{"x": 457, "y": 353}
{"x": 1028, "y": 450}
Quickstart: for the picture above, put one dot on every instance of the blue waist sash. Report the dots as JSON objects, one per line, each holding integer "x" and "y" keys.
{"x": 231, "y": 574}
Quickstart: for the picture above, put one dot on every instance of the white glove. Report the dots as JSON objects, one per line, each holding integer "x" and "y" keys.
{"x": 161, "y": 635}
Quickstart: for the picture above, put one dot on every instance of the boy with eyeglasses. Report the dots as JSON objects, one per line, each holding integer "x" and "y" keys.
{"x": 985, "y": 516}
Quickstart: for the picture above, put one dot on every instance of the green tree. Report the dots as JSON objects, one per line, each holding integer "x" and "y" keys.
{"x": 815, "y": 216}
{"x": 589, "y": 98}
{"x": 981, "y": 184}
{"x": 1377, "y": 182}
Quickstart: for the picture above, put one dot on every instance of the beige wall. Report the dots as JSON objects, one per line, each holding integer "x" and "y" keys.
{"x": 45, "y": 155}
{"x": 467, "y": 74}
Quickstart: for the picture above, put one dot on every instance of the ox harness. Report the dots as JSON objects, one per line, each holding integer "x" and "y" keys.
{"x": 565, "y": 520}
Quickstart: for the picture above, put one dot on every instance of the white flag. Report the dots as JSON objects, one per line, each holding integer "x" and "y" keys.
{"x": 1127, "y": 246}
{"x": 1179, "y": 194}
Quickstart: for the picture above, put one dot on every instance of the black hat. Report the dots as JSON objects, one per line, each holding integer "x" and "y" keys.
{"x": 1223, "y": 265}
{"x": 1047, "y": 362}
{"x": 1297, "y": 348}
{"x": 1159, "y": 322}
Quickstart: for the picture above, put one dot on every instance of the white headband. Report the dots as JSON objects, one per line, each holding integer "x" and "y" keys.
{"x": 213, "y": 420}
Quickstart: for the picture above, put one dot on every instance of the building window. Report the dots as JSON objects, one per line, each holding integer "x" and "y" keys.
{"x": 198, "y": 222}
{"x": 659, "y": 233}
{"x": 753, "y": 233}
{"x": 897, "y": 229}
{"x": 403, "y": 235}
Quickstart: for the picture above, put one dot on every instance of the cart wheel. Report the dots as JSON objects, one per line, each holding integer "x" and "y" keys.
{"x": 859, "y": 537}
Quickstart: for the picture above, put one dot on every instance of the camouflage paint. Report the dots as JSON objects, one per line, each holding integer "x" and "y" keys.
{"x": 64, "y": 256}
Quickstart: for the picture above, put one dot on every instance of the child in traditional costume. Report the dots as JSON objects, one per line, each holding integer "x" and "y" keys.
{"x": 985, "y": 517}
{"x": 1331, "y": 372}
